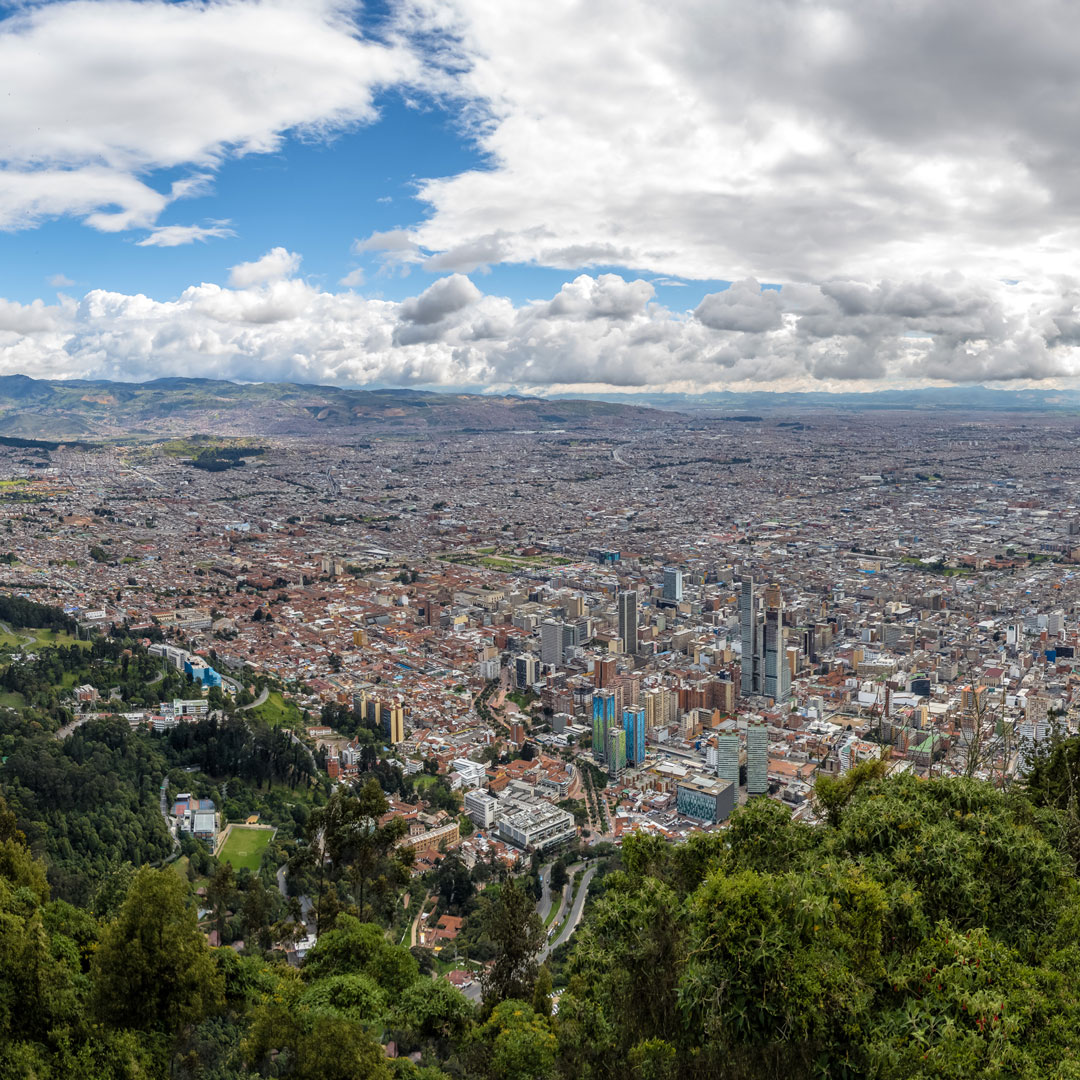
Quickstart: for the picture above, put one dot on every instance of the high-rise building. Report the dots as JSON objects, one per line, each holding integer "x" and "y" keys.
{"x": 616, "y": 751}
{"x": 551, "y": 642}
{"x": 633, "y": 720}
{"x": 672, "y": 584}
{"x": 526, "y": 670}
{"x": 750, "y": 633}
{"x": 727, "y": 764}
{"x": 603, "y": 720}
{"x": 757, "y": 759}
{"x": 776, "y": 680}
{"x": 394, "y": 722}
{"x": 604, "y": 670}
{"x": 628, "y": 620}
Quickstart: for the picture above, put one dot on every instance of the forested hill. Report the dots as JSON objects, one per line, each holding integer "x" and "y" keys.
{"x": 929, "y": 929}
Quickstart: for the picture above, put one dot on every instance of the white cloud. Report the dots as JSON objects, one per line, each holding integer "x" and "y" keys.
{"x": 595, "y": 333}
{"x": 95, "y": 96}
{"x": 60, "y": 281}
{"x": 353, "y": 279}
{"x": 273, "y": 266}
{"x": 785, "y": 140}
{"x": 175, "y": 235}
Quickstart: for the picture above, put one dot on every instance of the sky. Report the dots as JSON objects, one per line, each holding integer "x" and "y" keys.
{"x": 580, "y": 196}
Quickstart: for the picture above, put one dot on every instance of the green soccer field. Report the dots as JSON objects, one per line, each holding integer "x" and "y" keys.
{"x": 245, "y": 847}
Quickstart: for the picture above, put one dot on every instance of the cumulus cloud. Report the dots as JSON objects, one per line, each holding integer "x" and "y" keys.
{"x": 597, "y": 332}
{"x": 785, "y": 141}
{"x": 96, "y": 96}
{"x": 273, "y": 266}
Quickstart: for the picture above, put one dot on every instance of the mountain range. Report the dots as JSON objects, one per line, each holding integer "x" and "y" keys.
{"x": 100, "y": 409}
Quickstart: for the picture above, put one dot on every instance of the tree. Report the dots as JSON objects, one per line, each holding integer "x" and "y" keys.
{"x": 559, "y": 876}
{"x": 517, "y": 932}
{"x": 514, "y": 1044}
{"x": 153, "y": 970}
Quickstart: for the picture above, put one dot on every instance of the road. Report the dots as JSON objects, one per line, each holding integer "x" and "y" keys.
{"x": 543, "y": 905}
{"x": 305, "y": 901}
{"x": 264, "y": 693}
{"x": 575, "y": 915}
{"x": 67, "y": 729}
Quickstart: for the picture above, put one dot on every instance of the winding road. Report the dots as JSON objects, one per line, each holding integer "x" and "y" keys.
{"x": 264, "y": 693}
{"x": 574, "y": 918}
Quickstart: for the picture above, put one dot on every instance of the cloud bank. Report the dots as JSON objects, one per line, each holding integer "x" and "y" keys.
{"x": 598, "y": 332}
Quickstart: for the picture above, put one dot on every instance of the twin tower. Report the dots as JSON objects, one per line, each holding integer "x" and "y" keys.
{"x": 765, "y": 670}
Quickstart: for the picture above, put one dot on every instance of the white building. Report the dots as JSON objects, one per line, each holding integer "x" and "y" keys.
{"x": 481, "y": 807}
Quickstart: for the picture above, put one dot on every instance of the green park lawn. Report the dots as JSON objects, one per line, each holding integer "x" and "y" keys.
{"x": 277, "y": 712}
{"x": 244, "y": 847}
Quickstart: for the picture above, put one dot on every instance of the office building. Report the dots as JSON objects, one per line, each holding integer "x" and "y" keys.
{"x": 628, "y": 620}
{"x": 539, "y": 827}
{"x": 526, "y": 670}
{"x": 727, "y": 758}
{"x": 480, "y": 806}
{"x": 776, "y": 677}
{"x": 708, "y": 800}
{"x": 750, "y": 633}
{"x": 616, "y": 752}
{"x": 603, "y": 713}
{"x": 757, "y": 759}
{"x": 633, "y": 721}
{"x": 672, "y": 584}
{"x": 551, "y": 642}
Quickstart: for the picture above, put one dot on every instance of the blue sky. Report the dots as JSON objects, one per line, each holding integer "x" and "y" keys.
{"x": 314, "y": 197}
{"x": 595, "y": 196}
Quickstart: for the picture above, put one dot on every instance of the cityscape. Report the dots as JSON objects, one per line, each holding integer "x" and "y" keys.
{"x": 539, "y": 542}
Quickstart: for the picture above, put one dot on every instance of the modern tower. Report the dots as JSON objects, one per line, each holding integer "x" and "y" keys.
{"x": 757, "y": 759}
{"x": 751, "y": 628}
{"x": 633, "y": 722}
{"x": 616, "y": 751}
{"x": 628, "y": 620}
{"x": 603, "y": 720}
{"x": 776, "y": 678}
{"x": 727, "y": 765}
{"x": 551, "y": 642}
{"x": 672, "y": 584}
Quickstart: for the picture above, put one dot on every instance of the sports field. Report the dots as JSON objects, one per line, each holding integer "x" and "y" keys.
{"x": 244, "y": 847}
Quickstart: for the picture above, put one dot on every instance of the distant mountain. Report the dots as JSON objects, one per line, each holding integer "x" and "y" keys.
{"x": 51, "y": 409}
{"x": 970, "y": 398}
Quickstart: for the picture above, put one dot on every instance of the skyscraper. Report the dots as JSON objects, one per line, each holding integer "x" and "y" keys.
{"x": 776, "y": 680}
{"x": 750, "y": 633}
{"x": 394, "y": 722}
{"x": 727, "y": 765}
{"x": 633, "y": 719}
{"x": 551, "y": 642}
{"x": 603, "y": 720}
{"x": 672, "y": 584}
{"x": 616, "y": 751}
{"x": 628, "y": 620}
{"x": 757, "y": 759}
